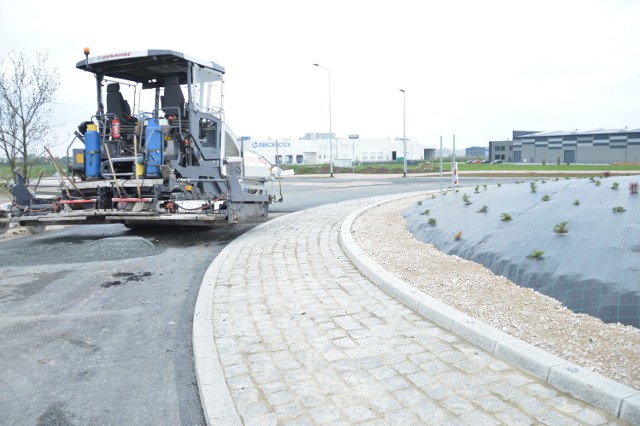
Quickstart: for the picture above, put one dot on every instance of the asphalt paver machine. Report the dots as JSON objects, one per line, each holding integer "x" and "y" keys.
{"x": 169, "y": 160}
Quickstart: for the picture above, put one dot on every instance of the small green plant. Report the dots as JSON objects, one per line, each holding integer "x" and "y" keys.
{"x": 426, "y": 212}
{"x": 546, "y": 198}
{"x": 561, "y": 228}
{"x": 536, "y": 254}
{"x": 615, "y": 185}
{"x": 533, "y": 186}
{"x": 543, "y": 181}
{"x": 485, "y": 187}
{"x": 499, "y": 184}
{"x": 576, "y": 203}
{"x": 431, "y": 221}
{"x": 433, "y": 196}
{"x": 457, "y": 235}
{"x": 618, "y": 209}
{"x": 483, "y": 209}
{"x": 466, "y": 200}
{"x": 505, "y": 217}
{"x": 597, "y": 182}
{"x": 477, "y": 189}
{"x": 419, "y": 203}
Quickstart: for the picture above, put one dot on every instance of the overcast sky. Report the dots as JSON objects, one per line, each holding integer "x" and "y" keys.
{"x": 476, "y": 69}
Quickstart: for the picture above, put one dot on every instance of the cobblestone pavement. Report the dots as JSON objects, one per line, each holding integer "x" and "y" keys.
{"x": 303, "y": 338}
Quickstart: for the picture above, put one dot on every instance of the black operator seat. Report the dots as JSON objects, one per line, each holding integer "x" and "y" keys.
{"x": 173, "y": 97}
{"x": 115, "y": 102}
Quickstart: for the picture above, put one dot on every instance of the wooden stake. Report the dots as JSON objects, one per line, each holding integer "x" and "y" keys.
{"x": 62, "y": 173}
{"x": 113, "y": 172}
{"x": 135, "y": 163}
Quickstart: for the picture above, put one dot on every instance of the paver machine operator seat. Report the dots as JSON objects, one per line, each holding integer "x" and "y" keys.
{"x": 115, "y": 102}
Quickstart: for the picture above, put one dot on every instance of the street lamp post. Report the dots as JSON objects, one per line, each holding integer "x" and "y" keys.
{"x": 404, "y": 134}
{"x": 330, "y": 129}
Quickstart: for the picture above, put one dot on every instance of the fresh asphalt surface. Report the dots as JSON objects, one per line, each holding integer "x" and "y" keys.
{"x": 96, "y": 320}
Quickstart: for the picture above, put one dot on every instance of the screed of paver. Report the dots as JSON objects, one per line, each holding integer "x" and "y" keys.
{"x": 304, "y": 338}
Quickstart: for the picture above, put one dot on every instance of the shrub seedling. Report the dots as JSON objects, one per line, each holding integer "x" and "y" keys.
{"x": 466, "y": 199}
{"x": 561, "y": 228}
{"x": 457, "y": 235}
{"x": 618, "y": 209}
{"x": 533, "y": 187}
{"x": 483, "y": 209}
{"x": 426, "y": 212}
{"x": 505, "y": 217}
{"x": 536, "y": 254}
{"x": 546, "y": 198}
{"x": 576, "y": 203}
{"x": 615, "y": 185}
{"x": 431, "y": 221}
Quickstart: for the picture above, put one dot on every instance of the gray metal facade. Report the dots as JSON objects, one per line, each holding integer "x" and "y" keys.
{"x": 598, "y": 146}
{"x": 501, "y": 150}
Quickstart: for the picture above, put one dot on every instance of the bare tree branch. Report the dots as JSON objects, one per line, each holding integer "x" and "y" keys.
{"x": 27, "y": 93}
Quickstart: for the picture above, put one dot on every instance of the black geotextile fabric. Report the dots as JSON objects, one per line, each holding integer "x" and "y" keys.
{"x": 594, "y": 268}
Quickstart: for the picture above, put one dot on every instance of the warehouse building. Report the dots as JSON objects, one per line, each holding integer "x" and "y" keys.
{"x": 602, "y": 146}
{"x": 476, "y": 151}
{"x": 314, "y": 148}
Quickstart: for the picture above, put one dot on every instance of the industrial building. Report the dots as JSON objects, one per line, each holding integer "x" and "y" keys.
{"x": 476, "y": 151}
{"x": 314, "y": 148}
{"x": 602, "y": 146}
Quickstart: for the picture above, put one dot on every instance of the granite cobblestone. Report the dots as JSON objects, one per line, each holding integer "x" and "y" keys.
{"x": 304, "y": 338}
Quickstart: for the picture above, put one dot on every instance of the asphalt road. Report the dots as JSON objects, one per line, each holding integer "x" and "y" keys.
{"x": 95, "y": 325}
{"x": 301, "y": 192}
{"x": 95, "y": 321}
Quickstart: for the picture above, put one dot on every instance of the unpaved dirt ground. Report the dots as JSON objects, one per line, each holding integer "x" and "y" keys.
{"x": 611, "y": 350}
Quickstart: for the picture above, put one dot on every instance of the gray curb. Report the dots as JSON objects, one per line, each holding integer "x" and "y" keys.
{"x": 615, "y": 398}
{"x": 217, "y": 404}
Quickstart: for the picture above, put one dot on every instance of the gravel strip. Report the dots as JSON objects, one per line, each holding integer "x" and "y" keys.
{"x": 608, "y": 349}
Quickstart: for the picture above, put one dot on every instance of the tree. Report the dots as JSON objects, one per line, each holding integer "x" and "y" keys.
{"x": 27, "y": 93}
